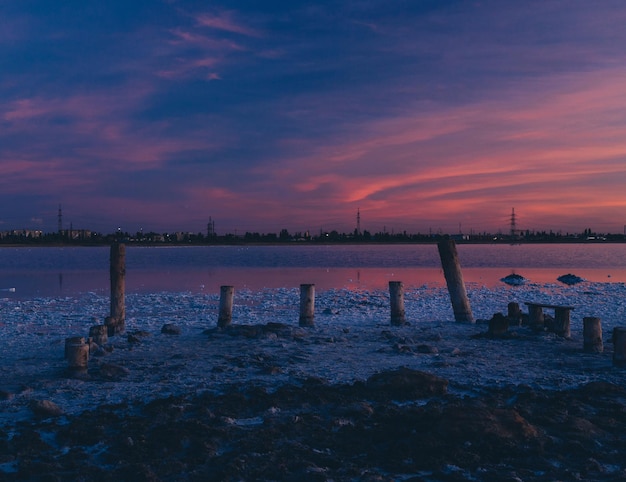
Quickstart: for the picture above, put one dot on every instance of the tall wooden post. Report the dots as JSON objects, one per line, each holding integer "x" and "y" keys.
{"x": 396, "y": 299}
{"x": 307, "y": 304}
{"x": 619, "y": 346}
{"x": 116, "y": 323}
{"x": 592, "y": 335}
{"x": 227, "y": 294}
{"x": 454, "y": 280}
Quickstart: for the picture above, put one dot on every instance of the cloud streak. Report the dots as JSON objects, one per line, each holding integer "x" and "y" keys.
{"x": 421, "y": 116}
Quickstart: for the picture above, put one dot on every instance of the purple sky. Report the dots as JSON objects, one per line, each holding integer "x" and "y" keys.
{"x": 265, "y": 115}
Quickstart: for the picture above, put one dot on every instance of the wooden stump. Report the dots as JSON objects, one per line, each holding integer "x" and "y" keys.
{"x": 99, "y": 334}
{"x": 117, "y": 323}
{"x": 77, "y": 353}
{"x": 592, "y": 335}
{"x": 535, "y": 317}
{"x": 307, "y": 305}
{"x": 74, "y": 340}
{"x": 562, "y": 322}
{"x": 225, "y": 316}
{"x": 396, "y": 298}
{"x": 454, "y": 280}
{"x": 619, "y": 346}
{"x": 498, "y": 325}
{"x": 514, "y": 313}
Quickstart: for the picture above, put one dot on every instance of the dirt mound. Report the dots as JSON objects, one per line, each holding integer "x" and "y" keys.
{"x": 316, "y": 431}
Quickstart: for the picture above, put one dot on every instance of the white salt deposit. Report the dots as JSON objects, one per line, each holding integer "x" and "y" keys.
{"x": 351, "y": 340}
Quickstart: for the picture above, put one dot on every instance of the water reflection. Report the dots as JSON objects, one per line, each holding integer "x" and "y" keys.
{"x": 30, "y": 284}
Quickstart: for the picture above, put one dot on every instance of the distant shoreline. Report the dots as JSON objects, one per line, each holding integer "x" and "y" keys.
{"x": 302, "y": 243}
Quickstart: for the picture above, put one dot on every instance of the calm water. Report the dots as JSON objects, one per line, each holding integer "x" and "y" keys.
{"x": 67, "y": 271}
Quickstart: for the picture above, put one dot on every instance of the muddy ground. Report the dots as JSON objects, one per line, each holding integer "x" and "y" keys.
{"x": 398, "y": 425}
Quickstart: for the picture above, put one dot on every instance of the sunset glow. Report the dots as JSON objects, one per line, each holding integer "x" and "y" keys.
{"x": 423, "y": 115}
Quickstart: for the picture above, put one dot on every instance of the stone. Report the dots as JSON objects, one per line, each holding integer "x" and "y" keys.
{"x": 170, "y": 329}
{"x": 407, "y": 383}
{"x": 45, "y": 408}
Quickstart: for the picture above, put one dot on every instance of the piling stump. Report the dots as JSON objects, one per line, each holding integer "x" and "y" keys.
{"x": 562, "y": 322}
{"x": 619, "y": 346}
{"x": 592, "y": 335}
{"x": 225, "y": 316}
{"x": 454, "y": 280}
{"x": 307, "y": 305}
{"x": 99, "y": 334}
{"x": 498, "y": 325}
{"x": 536, "y": 318}
{"x": 396, "y": 298}
{"x": 514, "y": 313}
{"x": 77, "y": 354}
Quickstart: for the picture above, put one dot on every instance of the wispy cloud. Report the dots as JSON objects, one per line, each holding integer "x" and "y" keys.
{"x": 226, "y": 21}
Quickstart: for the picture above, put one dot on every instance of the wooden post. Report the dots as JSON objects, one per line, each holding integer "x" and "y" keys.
{"x": 226, "y": 306}
{"x": 514, "y": 313}
{"x": 454, "y": 280}
{"x": 396, "y": 299}
{"x": 99, "y": 333}
{"x": 307, "y": 304}
{"x": 619, "y": 346}
{"x": 117, "y": 322}
{"x": 562, "y": 322}
{"x": 592, "y": 335}
{"x": 535, "y": 317}
{"x": 77, "y": 353}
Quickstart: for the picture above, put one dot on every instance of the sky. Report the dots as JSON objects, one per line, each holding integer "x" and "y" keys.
{"x": 423, "y": 115}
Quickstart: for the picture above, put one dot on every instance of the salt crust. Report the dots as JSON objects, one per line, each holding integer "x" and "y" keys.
{"x": 351, "y": 340}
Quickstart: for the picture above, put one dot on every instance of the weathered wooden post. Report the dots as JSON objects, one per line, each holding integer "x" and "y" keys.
{"x": 592, "y": 335}
{"x": 116, "y": 323}
{"x": 562, "y": 322}
{"x": 536, "y": 320}
{"x": 454, "y": 280}
{"x": 619, "y": 346}
{"x": 307, "y": 304}
{"x": 77, "y": 353}
{"x": 225, "y": 316}
{"x": 396, "y": 299}
{"x": 514, "y": 313}
{"x": 99, "y": 334}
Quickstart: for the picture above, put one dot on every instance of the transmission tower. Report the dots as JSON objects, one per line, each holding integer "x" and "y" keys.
{"x": 358, "y": 222}
{"x": 60, "y": 219}
{"x": 513, "y": 223}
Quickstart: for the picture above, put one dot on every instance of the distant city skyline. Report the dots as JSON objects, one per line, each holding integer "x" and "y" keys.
{"x": 423, "y": 116}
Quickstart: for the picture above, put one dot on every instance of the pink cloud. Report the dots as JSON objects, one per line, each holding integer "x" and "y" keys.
{"x": 551, "y": 150}
{"x": 225, "y": 21}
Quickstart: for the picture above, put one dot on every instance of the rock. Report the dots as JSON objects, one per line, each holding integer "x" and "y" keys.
{"x": 170, "y": 329}
{"x": 111, "y": 371}
{"x": 6, "y": 395}
{"x": 514, "y": 279}
{"x": 427, "y": 349}
{"x": 406, "y": 383}
{"x": 45, "y": 408}
{"x": 570, "y": 279}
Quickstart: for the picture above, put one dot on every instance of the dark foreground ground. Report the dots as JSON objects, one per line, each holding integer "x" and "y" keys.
{"x": 399, "y": 425}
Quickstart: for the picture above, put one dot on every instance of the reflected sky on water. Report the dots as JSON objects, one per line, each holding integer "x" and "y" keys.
{"x": 44, "y": 272}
